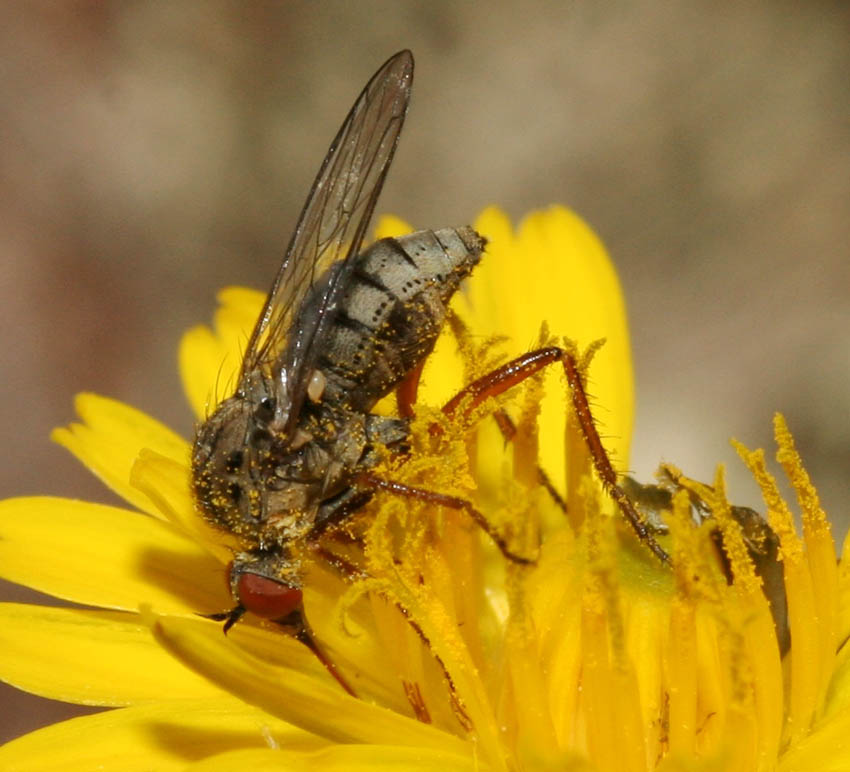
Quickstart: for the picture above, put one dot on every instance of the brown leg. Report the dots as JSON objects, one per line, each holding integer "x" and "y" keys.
{"x": 368, "y": 480}
{"x": 508, "y": 429}
{"x": 306, "y": 637}
{"x": 517, "y": 370}
{"x": 345, "y": 568}
{"x": 296, "y": 626}
{"x": 405, "y": 393}
{"x": 503, "y": 420}
{"x": 602, "y": 463}
{"x": 501, "y": 379}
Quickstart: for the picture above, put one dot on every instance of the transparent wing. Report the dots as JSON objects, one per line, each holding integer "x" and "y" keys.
{"x": 331, "y": 229}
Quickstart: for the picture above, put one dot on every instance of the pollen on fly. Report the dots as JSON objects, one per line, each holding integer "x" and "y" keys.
{"x": 293, "y": 450}
{"x": 289, "y": 453}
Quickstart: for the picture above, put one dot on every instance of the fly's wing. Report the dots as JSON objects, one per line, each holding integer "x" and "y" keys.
{"x": 331, "y": 228}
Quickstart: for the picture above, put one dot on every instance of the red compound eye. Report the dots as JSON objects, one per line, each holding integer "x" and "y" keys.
{"x": 267, "y": 598}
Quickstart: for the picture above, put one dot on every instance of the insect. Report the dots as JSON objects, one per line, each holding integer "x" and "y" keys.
{"x": 283, "y": 458}
{"x": 760, "y": 540}
{"x": 291, "y": 452}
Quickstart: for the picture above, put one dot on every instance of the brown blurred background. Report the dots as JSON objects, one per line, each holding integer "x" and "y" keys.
{"x": 153, "y": 152}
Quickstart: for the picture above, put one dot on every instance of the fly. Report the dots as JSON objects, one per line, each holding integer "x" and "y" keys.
{"x": 279, "y": 461}
{"x": 760, "y": 540}
{"x": 292, "y": 451}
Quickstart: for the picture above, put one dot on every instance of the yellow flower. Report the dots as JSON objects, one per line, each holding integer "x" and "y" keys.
{"x": 596, "y": 656}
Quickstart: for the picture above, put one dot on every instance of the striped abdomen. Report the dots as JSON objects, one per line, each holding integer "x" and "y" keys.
{"x": 392, "y": 312}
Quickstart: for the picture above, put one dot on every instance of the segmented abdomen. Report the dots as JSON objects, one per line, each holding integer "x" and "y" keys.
{"x": 392, "y": 312}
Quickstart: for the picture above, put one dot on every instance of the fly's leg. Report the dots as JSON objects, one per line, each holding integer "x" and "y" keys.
{"x": 405, "y": 393}
{"x": 370, "y": 481}
{"x": 601, "y": 461}
{"x": 296, "y": 626}
{"x": 229, "y": 618}
{"x": 406, "y": 398}
{"x": 303, "y": 634}
{"x": 517, "y": 370}
{"x": 508, "y": 429}
{"x": 502, "y": 378}
{"x": 345, "y": 568}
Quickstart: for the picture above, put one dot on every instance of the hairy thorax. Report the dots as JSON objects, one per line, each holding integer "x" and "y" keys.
{"x": 266, "y": 487}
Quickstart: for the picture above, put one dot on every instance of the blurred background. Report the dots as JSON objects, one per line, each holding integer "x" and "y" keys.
{"x": 153, "y": 152}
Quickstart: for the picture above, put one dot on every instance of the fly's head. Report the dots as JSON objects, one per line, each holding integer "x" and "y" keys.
{"x": 267, "y": 584}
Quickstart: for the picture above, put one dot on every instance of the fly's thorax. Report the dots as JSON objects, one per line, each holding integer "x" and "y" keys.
{"x": 325, "y": 451}
{"x": 218, "y": 459}
{"x": 263, "y": 484}
{"x": 392, "y": 311}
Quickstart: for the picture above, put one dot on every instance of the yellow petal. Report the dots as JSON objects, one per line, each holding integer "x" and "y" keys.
{"x": 825, "y": 749}
{"x": 555, "y": 269}
{"x": 342, "y": 758}
{"x": 162, "y": 737}
{"x": 291, "y": 695}
{"x": 820, "y": 553}
{"x": 470, "y": 696}
{"x": 843, "y": 622}
{"x": 390, "y": 226}
{"x": 210, "y": 359}
{"x": 105, "y": 556}
{"x": 838, "y": 695}
{"x": 110, "y": 438}
{"x": 164, "y": 482}
{"x": 105, "y": 658}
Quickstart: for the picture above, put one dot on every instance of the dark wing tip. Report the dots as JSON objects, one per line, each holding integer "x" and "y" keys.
{"x": 402, "y": 64}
